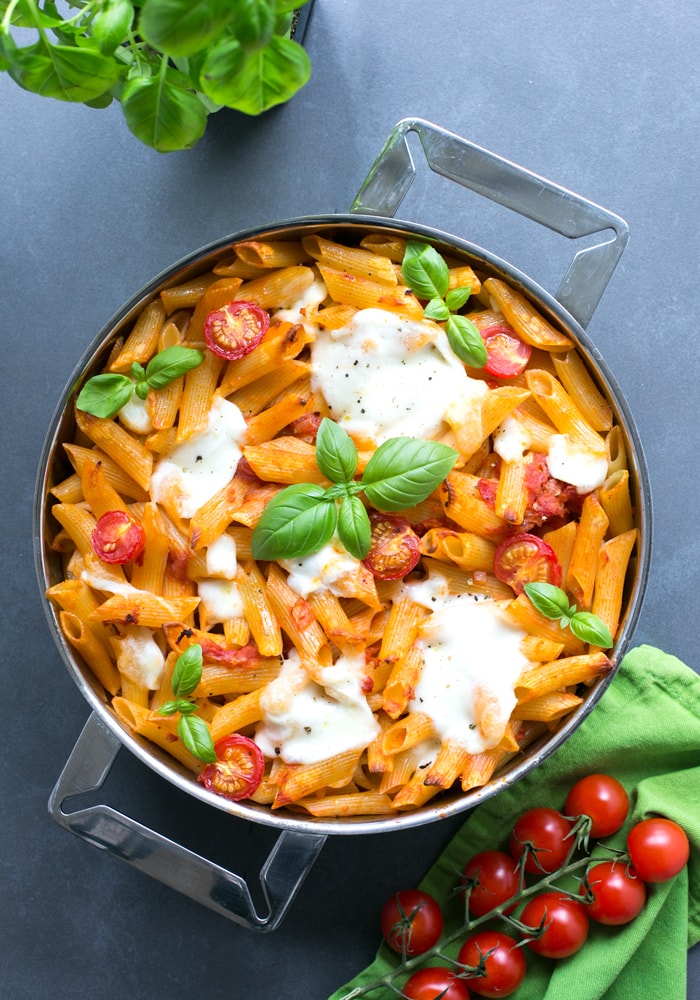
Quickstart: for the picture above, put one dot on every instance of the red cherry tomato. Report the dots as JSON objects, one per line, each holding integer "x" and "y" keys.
{"x": 603, "y": 799}
{"x": 411, "y": 922}
{"x": 658, "y": 848}
{"x": 238, "y": 770}
{"x": 507, "y": 354}
{"x": 235, "y": 330}
{"x": 117, "y": 537}
{"x": 565, "y": 922}
{"x": 494, "y": 878}
{"x": 617, "y": 895}
{"x": 435, "y": 983}
{"x": 394, "y": 549}
{"x": 503, "y": 961}
{"x": 545, "y": 834}
{"x": 526, "y": 558}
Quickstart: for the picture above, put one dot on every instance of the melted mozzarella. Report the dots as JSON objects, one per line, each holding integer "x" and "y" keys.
{"x": 305, "y": 722}
{"x": 386, "y": 376}
{"x": 296, "y": 312}
{"x": 583, "y": 469}
{"x": 221, "y": 557}
{"x": 136, "y": 415}
{"x": 139, "y": 657}
{"x": 221, "y": 600}
{"x": 199, "y": 467}
{"x": 322, "y": 570}
{"x": 511, "y": 440}
{"x": 471, "y": 657}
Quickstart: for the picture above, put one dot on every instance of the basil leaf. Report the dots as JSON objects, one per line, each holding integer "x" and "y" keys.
{"x": 404, "y": 471}
{"x": 437, "y": 310}
{"x": 161, "y": 113}
{"x": 589, "y": 628}
{"x": 66, "y": 72}
{"x": 354, "y": 529}
{"x": 104, "y": 395}
{"x": 336, "y": 454}
{"x": 424, "y": 270}
{"x": 169, "y": 708}
{"x": 170, "y": 363}
{"x": 457, "y": 298}
{"x": 181, "y": 27}
{"x": 296, "y": 522}
{"x": 549, "y": 600}
{"x": 195, "y": 734}
{"x": 188, "y": 671}
{"x": 256, "y": 82}
{"x": 466, "y": 341}
{"x": 111, "y": 23}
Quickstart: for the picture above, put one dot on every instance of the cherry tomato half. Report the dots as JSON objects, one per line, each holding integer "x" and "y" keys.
{"x": 526, "y": 558}
{"x": 565, "y": 924}
{"x": 238, "y": 770}
{"x": 617, "y": 895}
{"x": 117, "y": 537}
{"x": 545, "y": 834}
{"x": 433, "y": 983}
{"x": 494, "y": 878}
{"x": 658, "y": 848}
{"x": 603, "y": 799}
{"x": 394, "y": 548}
{"x": 503, "y": 961}
{"x": 411, "y": 922}
{"x": 507, "y": 354}
{"x": 236, "y": 329}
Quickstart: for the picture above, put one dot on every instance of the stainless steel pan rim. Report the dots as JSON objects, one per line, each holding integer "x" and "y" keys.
{"x": 201, "y": 260}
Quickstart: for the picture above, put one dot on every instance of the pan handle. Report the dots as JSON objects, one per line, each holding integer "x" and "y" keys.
{"x": 510, "y": 185}
{"x": 285, "y": 868}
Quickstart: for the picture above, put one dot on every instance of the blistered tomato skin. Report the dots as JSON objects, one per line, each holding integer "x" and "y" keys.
{"x": 658, "y": 848}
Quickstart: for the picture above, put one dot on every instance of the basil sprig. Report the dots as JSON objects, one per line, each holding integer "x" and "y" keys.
{"x": 427, "y": 274}
{"x": 553, "y": 603}
{"x": 104, "y": 395}
{"x": 302, "y": 518}
{"x": 192, "y": 730}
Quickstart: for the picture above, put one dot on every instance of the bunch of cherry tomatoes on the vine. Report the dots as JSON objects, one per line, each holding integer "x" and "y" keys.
{"x": 553, "y": 921}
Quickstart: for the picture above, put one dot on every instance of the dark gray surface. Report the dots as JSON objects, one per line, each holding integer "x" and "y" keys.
{"x": 603, "y": 98}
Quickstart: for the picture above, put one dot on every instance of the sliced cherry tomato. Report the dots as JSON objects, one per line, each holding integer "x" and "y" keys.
{"x": 411, "y": 922}
{"x": 117, "y": 537}
{"x": 616, "y": 894}
{"x": 435, "y": 983}
{"x": 502, "y": 960}
{"x": 394, "y": 549}
{"x": 238, "y": 770}
{"x": 507, "y": 354}
{"x": 658, "y": 848}
{"x": 494, "y": 878}
{"x": 235, "y": 330}
{"x": 545, "y": 834}
{"x": 565, "y": 924}
{"x": 526, "y": 558}
{"x": 603, "y": 799}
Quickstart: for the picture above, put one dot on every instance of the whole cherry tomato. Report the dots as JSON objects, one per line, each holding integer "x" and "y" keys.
{"x": 565, "y": 924}
{"x": 411, "y": 922}
{"x": 546, "y": 836}
{"x": 603, "y": 799}
{"x": 503, "y": 963}
{"x": 658, "y": 848}
{"x": 435, "y": 983}
{"x": 494, "y": 878}
{"x": 618, "y": 896}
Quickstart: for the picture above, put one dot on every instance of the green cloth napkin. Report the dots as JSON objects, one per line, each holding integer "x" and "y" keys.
{"x": 646, "y": 732}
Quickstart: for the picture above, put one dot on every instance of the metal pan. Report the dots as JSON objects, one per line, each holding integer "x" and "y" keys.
{"x": 570, "y": 309}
